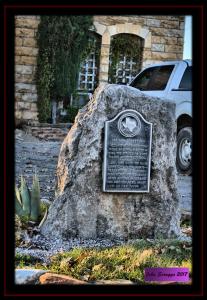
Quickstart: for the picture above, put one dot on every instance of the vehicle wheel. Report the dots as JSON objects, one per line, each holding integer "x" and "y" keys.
{"x": 184, "y": 151}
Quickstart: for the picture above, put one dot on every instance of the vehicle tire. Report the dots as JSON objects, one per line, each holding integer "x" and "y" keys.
{"x": 184, "y": 151}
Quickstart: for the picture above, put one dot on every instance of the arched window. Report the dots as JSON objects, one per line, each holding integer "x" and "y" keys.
{"x": 126, "y": 51}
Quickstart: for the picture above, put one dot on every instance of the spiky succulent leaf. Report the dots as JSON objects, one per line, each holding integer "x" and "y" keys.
{"x": 44, "y": 218}
{"x": 25, "y": 196}
{"x": 35, "y": 199}
{"x": 18, "y": 194}
{"x": 18, "y": 208}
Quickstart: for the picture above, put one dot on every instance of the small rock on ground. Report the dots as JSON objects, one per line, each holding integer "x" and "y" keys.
{"x": 28, "y": 276}
{"x": 50, "y": 278}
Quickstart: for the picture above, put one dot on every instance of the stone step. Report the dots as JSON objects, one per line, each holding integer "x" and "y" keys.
{"x": 49, "y": 132}
{"x": 59, "y": 125}
{"x": 53, "y": 136}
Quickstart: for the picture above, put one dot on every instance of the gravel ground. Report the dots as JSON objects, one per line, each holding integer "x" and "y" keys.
{"x": 42, "y": 249}
{"x": 34, "y": 155}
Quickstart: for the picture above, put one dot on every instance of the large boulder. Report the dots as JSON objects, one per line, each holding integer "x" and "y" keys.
{"x": 81, "y": 208}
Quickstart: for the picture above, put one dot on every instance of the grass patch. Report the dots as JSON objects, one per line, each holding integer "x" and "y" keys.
{"x": 23, "y": 260}
{"x": 121, "y": 262}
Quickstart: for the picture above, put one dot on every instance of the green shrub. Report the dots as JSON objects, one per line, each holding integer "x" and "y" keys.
{"x": 63, "y": 43}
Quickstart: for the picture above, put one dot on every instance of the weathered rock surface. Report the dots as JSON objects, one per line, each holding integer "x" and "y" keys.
{"x": 81, "y": 209}
{"x": 50, "y": 278}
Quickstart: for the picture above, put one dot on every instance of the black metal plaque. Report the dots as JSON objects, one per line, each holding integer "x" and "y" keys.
{"x": 127, "y": 153}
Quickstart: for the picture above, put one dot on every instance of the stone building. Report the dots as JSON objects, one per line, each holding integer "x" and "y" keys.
{"x": 158, "y": 38}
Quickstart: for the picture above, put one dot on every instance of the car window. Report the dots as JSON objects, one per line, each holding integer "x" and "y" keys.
{"x": 141, "y": 82}
{"x": 153, "y": 79}
{"x": 186, "y": 81}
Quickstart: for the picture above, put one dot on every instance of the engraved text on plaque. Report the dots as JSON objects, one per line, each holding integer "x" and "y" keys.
{"x": 127, "y": 153}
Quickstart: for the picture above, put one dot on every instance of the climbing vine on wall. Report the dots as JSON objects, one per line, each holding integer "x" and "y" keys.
{"x": 63, "y": 43}
{"x": 128, "y": 45}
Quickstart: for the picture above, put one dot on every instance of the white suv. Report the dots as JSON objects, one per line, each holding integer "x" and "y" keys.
{"x": 172, "y": 81}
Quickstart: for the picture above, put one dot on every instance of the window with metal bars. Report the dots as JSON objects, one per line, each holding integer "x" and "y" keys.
{"x": 89, "y": 70}
{"x": 125, "y": 58}
{"x": 88, "y": 74}
{"x": 126, "y": 69}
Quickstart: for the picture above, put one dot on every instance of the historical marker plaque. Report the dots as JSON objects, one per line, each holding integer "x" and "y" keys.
{"x": 127, "y": 153}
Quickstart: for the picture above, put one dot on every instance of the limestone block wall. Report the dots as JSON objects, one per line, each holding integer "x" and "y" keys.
{"x": 25, "y": 67}
{"x": 163, "y": 40}
{"x": 163, "y": 37}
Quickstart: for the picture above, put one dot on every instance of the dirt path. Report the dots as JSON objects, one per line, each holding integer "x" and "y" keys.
{"x": 33, "y": 154}
{"x": 185, "y": 193}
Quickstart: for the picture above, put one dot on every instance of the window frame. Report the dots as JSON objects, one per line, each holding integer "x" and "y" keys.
{"x": 189, "y": 70}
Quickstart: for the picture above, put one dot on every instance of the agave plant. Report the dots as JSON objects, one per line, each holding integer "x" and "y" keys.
{"x": 27, "y": 204}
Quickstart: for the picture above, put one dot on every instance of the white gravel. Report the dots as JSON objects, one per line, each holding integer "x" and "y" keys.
{"x": 42, "y": 249}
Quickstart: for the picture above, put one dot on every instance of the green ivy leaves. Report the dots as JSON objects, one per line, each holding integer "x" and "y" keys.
{"x": 63, "y": 43}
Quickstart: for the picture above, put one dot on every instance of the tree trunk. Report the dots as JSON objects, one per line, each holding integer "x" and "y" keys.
{"x": 54, "y": 111}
